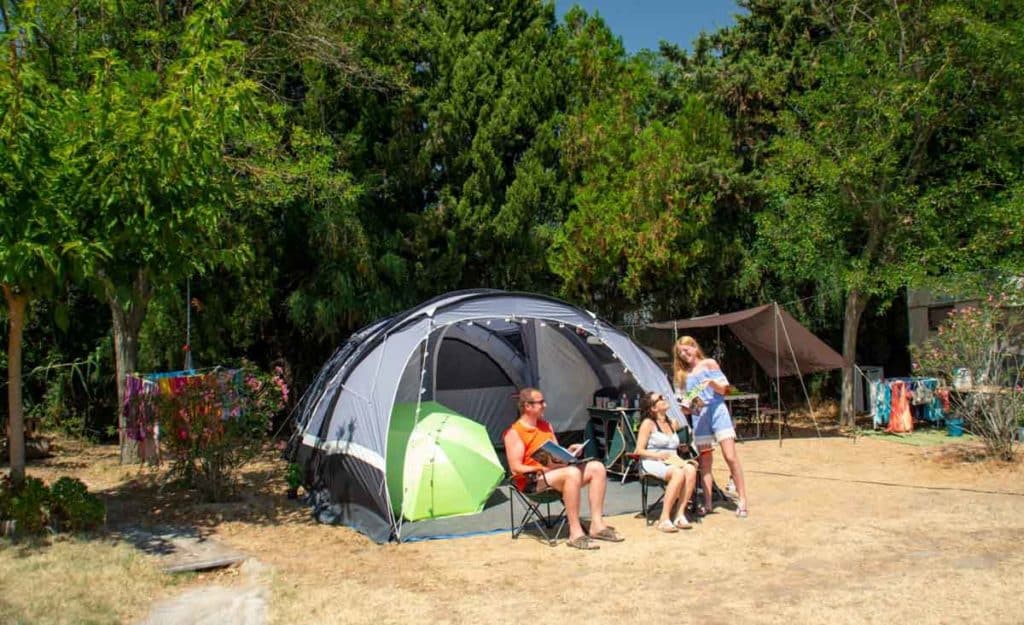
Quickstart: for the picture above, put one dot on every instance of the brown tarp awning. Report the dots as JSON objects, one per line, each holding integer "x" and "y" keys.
{"x": 768, "y": 338}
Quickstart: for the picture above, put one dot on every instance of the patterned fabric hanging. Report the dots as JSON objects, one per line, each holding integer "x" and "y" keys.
{"x": 883, "y": 403}
{"x": 900, "y": 419}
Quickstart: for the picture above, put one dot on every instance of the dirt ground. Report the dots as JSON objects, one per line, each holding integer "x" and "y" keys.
{"x": 841, "y": 530}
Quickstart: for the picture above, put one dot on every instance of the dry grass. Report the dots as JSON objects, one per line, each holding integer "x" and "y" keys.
{"x": 76, "y": 581}
{"x": 841, "y": 531}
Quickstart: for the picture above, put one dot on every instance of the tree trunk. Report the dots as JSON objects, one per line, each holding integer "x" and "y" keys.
{"x": 855, "y": 304}
{"x": 127, "y": 324}
{"x": 17, "y": 304}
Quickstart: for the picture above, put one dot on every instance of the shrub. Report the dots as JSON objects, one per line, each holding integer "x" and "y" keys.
{"x": 981, "y": 346}
{"x": 74, "y": 507}
{"x": 29, "y": 506}
{"x": 293, "y": 476}
{"x": 6, "y": 496}
{"x": 218, "y": 422}
{"x": 68, "y": 504}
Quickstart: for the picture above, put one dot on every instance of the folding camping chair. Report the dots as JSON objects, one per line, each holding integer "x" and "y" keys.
{"x": 647, "y": 480}
{"x": 533, "y": 515}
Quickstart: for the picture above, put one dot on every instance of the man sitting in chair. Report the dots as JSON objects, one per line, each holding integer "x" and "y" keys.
{"x": 526, "y": 435}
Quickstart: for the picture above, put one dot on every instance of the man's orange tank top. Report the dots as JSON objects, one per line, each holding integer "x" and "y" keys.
{"x": 533, "y": 438}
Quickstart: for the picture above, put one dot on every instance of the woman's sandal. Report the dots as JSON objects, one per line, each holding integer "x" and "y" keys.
{"x": 741, "y": 512}
{"x": 683, "y": 523}
{"x": 667, "y": 526}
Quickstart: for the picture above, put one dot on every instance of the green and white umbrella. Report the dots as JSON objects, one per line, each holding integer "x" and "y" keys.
{"x": 448, "y": 466}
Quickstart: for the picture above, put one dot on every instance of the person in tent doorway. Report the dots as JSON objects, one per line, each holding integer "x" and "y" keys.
{"x": 526, "y": 435}
{"x": 694, "y": 372}
{"x": 657, "y": 445}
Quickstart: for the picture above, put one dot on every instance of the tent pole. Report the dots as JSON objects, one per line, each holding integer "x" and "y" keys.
{"x": 778, "y": 386}
{"x": 799, "y": 373}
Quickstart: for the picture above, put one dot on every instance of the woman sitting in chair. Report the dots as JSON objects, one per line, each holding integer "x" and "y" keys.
{"x": 656, "y": 446}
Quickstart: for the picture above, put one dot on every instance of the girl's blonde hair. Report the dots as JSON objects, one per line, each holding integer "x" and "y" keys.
{"x": 679, "y": 369}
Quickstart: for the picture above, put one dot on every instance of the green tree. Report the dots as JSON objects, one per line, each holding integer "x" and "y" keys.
{"x": 484, "y": 176}
{"x": 902, "y": 164}
{"x": 330, "y": 198}
{"x": 652, "y": 182}
{"x": 39, "y": 241}
{"x": 163, "y": 107}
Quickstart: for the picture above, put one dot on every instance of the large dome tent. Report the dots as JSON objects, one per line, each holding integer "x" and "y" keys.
{"x": 470, "y": 351}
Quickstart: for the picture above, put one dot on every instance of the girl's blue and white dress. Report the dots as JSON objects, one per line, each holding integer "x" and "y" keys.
{"x": 713, "y": 423}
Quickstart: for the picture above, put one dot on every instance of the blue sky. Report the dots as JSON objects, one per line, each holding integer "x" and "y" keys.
{"x": 642, "y": 23}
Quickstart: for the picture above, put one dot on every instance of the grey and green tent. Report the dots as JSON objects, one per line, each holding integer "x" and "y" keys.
{"x": 469, "y": 351}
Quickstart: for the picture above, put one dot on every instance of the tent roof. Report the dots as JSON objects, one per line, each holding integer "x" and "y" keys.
{"x": 778, "y": 342}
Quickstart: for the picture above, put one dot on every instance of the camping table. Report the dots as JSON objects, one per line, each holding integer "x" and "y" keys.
{"x": 755, "y": 416}
{"x": 601, "y": 429}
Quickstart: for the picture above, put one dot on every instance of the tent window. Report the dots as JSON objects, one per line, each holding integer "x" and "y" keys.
{"x": 462, "y": 366}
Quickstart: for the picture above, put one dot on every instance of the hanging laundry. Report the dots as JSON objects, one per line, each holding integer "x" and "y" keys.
{"x": 142, "y": 392}
{"x": 883, "y": 402}
{"x": 900, "y": 419}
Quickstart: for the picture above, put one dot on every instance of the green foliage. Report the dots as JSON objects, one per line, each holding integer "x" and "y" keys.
{"x": 28, "y": 505}
{"x": 67, "y": 505}
{"x": 653, "y": 182}
{"x": 215, "y": 424}
{"x": 978, "y": 349}
{"x": 6, "y": 497}
{"x": 893, "y": 155}
{"x": 72, "y": 397}
{"x": 293, "y": 476}
{"x": 72, "y": 506}
{"x": 484, "y": 181}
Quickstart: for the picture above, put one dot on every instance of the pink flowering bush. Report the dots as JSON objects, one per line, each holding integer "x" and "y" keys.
{"x": 979, "y": 349}
{"x": 216, "y": 423}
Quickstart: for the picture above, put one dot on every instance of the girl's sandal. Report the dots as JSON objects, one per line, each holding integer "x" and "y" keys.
{"x": 741, "y": 512}
{"x": 683, "y": 523}
{"x": 667, "y": 526}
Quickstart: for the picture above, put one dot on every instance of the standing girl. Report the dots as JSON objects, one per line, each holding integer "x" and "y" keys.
{"x": 694, "y": 372}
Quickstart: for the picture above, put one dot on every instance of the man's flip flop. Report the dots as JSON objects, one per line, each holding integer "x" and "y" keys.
{"x": 608, "y": 534}
{"x": 582, "y": 542}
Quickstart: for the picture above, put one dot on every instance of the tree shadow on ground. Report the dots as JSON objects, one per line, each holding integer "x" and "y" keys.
{"x": 152, "y": 501}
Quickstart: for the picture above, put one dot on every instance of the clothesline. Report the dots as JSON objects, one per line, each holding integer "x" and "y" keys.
{"x": 897, "y": 402}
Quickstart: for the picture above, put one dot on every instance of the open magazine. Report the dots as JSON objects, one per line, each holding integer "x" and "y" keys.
{"x": 686, "y": 398}
{"x": 553, "y": 453}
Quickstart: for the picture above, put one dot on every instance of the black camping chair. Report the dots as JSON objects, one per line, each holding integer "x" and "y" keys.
{"x": 646, "y": 481}
{"x": 532, "y": 500}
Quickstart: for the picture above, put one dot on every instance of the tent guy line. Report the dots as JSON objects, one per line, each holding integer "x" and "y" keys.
{"x": 892, "y": 484}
